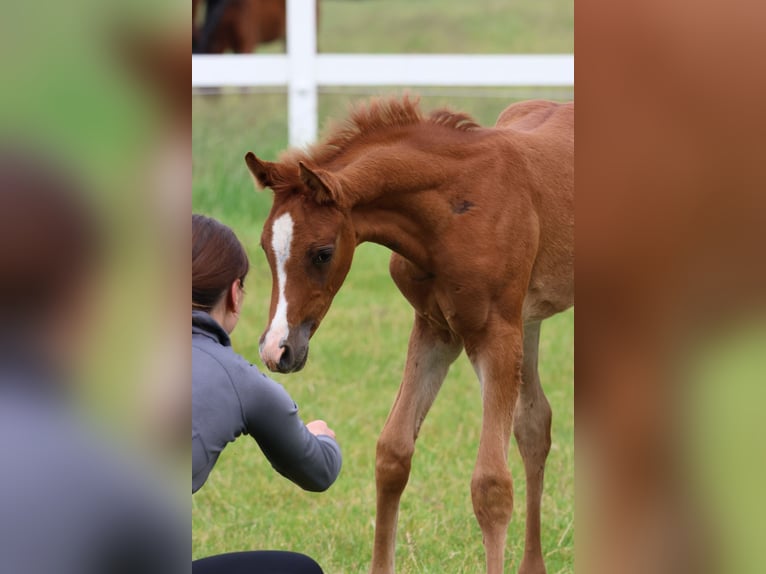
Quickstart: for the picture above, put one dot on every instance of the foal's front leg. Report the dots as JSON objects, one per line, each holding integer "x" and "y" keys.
{"x": 429, "y": 356}
{"x": 496, "y": 355}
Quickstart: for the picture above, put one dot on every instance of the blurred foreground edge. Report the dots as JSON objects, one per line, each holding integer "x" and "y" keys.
{"x": 94, "y": 102}
{"x": 670, "y": 203}
{"x": 70, "y": 501}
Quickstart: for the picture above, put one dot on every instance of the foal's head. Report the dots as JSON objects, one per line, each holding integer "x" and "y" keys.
{"x": 309, "y": 242}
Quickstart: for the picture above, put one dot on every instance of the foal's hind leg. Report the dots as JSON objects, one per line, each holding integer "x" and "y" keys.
{"x": 429, "y": 356}
{"x": 532, "y": 429}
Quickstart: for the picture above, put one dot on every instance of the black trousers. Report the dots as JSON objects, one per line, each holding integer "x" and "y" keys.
{"x": 257, "y": 562}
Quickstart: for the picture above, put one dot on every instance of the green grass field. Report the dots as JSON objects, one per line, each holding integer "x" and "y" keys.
{"x": 444, "y": 27}
{"x": 357, "y": 356}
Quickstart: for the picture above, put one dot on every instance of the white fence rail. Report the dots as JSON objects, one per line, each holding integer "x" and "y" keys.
{"x": 302, "y": 70}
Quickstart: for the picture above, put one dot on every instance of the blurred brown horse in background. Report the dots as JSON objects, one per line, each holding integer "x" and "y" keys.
{"x": 481, "y": 223}
{"x": 238, "y": 26}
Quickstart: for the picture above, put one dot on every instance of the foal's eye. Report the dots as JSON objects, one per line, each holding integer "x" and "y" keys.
{"x": 322, "y": 257}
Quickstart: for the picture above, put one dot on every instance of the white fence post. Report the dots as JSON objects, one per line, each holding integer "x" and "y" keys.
{"x": 301, "y": 58}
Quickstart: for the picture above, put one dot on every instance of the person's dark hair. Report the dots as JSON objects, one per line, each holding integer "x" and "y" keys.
{"x": 218, "y": 259}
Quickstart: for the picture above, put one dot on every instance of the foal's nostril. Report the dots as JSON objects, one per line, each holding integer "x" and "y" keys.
{"x": 286, "y": 360}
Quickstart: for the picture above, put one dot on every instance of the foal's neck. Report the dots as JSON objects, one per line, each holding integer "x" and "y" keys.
{"x": 405, "y": 194}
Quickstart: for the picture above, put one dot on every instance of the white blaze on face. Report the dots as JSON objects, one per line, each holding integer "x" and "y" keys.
{"x": 281, "y": 239}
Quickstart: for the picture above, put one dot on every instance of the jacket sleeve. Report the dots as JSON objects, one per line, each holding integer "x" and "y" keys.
{"x": 271, "y": 418}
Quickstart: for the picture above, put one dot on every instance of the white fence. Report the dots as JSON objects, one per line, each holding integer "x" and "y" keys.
{"x": 302, "y": 70}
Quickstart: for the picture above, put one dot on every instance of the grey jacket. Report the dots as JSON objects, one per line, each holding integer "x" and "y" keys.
{"x": 231, "y": 397}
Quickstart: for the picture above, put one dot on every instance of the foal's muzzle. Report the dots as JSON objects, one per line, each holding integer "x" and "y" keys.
{"x": 292, "y": 353}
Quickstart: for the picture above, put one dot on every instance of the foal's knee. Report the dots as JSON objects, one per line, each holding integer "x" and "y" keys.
{"x": 392, "y": 465}
{"x": 492, "y": 496}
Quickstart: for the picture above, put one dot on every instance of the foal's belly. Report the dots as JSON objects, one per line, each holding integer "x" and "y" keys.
{"x": 461, "y": 310}
{"x": 542, "y": 303}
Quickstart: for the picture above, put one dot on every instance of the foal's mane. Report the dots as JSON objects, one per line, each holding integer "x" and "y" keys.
{"x": 373, "y": 117}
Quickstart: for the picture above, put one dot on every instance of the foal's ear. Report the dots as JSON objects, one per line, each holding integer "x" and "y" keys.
{"x": 263, "y": 171}
{"x": 324, "y": 185}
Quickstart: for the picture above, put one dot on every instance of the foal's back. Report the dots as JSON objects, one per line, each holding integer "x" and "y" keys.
{"x": 538, "y": 116}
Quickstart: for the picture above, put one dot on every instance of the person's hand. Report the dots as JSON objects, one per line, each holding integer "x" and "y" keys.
{"x": 320, "y": 428}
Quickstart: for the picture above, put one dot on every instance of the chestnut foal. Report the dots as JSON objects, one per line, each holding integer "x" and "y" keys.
{"x": 481, "y": 224}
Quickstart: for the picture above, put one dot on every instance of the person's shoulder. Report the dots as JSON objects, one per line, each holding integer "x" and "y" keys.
{"x": 209, "y": 352}
{"x": 259, "y": 395}
{"x": 210, "y": 362}
{"x": 248, "y": 378}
